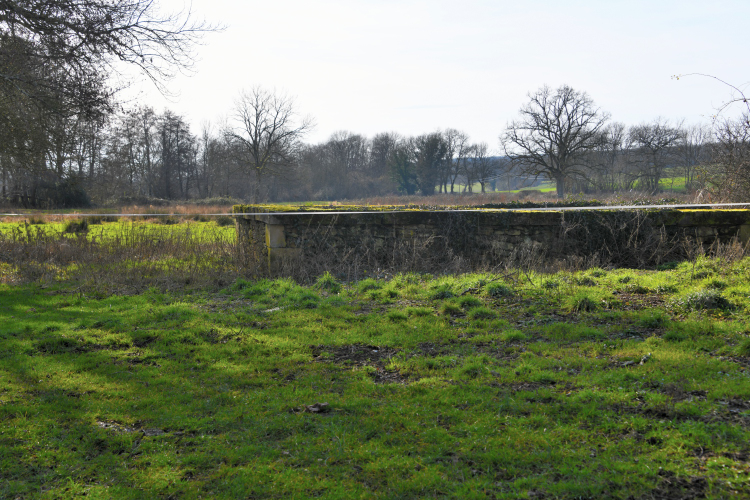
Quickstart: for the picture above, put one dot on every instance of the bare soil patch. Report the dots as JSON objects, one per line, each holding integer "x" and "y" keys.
{"x": 362, "y": 355}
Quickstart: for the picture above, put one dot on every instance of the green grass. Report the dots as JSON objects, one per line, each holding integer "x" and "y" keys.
{"x": 607, "y": 384}
{"x": 120, "y": 230}
{"x": 676, "y": 184}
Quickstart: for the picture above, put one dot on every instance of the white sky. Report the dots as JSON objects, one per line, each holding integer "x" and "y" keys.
{"x": 415, "y": 66}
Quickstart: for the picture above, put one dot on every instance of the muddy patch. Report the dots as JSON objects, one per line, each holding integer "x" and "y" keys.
{"x": 635, "y": 302}
{"x": 362, "y": 355}
{"x": 731, "y": 415}
{"x": 674, "y": 487}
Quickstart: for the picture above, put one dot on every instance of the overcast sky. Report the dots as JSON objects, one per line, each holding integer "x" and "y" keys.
{"x": 415, "y": 66}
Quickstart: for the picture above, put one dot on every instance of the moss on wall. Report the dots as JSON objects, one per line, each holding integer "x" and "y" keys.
{"x": 483, "y": 237}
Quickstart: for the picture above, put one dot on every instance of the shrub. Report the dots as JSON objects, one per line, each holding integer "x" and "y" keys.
{"x": 61, "y": 193}
{"x": 217, "y": 200}
{"x": 224, "y": 220}
{"x": 76, "y": 227}
{"x": 98, "y": 219}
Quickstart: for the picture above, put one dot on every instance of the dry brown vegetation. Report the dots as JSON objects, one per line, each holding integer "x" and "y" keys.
{"x": 529, "y": 195}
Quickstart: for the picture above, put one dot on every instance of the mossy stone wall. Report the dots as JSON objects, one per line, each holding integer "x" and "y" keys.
{"x": 483, "y": 237}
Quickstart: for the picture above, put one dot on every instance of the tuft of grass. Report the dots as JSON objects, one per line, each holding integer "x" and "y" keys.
{"x": 469, "y": 302}
{"x": 328, "y": 283}
{"x": 498, "y": 290}
{"x": 481, "y": 312}
{"x": 665, "y": 289}
{"x": 450, "y": 309}
{"x": 653, "y": 319}
{"x": 397, "y": 316}
{"x": 419, "y": 311}
{"x": 368, "y": 284}
{"x": 703, "y": 300}
{"x": 597, "y": 272}
{"x": 667, "y": 266}
{"x": 585, "y": 301}
{"x": 442, "y": 292}
{"x": 743, "y": 349}
{"x": 715, "y": 284}
{"x": 565, "y": 332}
{"x": 513, "y": 336}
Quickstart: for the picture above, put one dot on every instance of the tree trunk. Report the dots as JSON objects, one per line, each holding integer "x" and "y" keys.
{"x": 560, "y": 184}
{"x": 256, "y": 191}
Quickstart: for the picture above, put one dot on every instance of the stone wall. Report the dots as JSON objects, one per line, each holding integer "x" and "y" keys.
{"x": 481, "y": 237}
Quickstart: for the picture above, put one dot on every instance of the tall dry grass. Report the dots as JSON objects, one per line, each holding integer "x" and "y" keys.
{"x": 533, "y": 196}
{"x": 128, "y": 260}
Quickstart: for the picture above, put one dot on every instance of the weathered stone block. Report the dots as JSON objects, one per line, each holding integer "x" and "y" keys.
{"x": 275, "y": 237}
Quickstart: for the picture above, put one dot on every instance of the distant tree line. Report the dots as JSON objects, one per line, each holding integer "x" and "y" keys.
{"x": 65, "y": 140}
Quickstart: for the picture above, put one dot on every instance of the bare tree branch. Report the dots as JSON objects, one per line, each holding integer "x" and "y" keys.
{"x": 554, "y": 134}
{"x": 267, "y": 133}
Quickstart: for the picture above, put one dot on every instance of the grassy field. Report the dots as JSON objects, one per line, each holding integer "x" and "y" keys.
{"x": 593, "y": 384}
{"x": 121, "y": 230}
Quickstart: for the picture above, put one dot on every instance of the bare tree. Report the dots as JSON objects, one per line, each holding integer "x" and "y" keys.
{"x": 85, "y": 37}
{"x": 729, "y": 176}
{"x": 429, "y": 157}
{"x": 554, "y": 134}
{"x": 692, "y": 151}
{"x": 653, "y": 147}
{"x": 267, "y": 134}
{"x": 608, "y": 161}
{"x": 457, "y": 145}
{"x": 483, "y": 166}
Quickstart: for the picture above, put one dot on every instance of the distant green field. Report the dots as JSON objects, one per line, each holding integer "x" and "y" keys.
{"x": 122, "y": 230}
{"x": 676, "y": 184}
